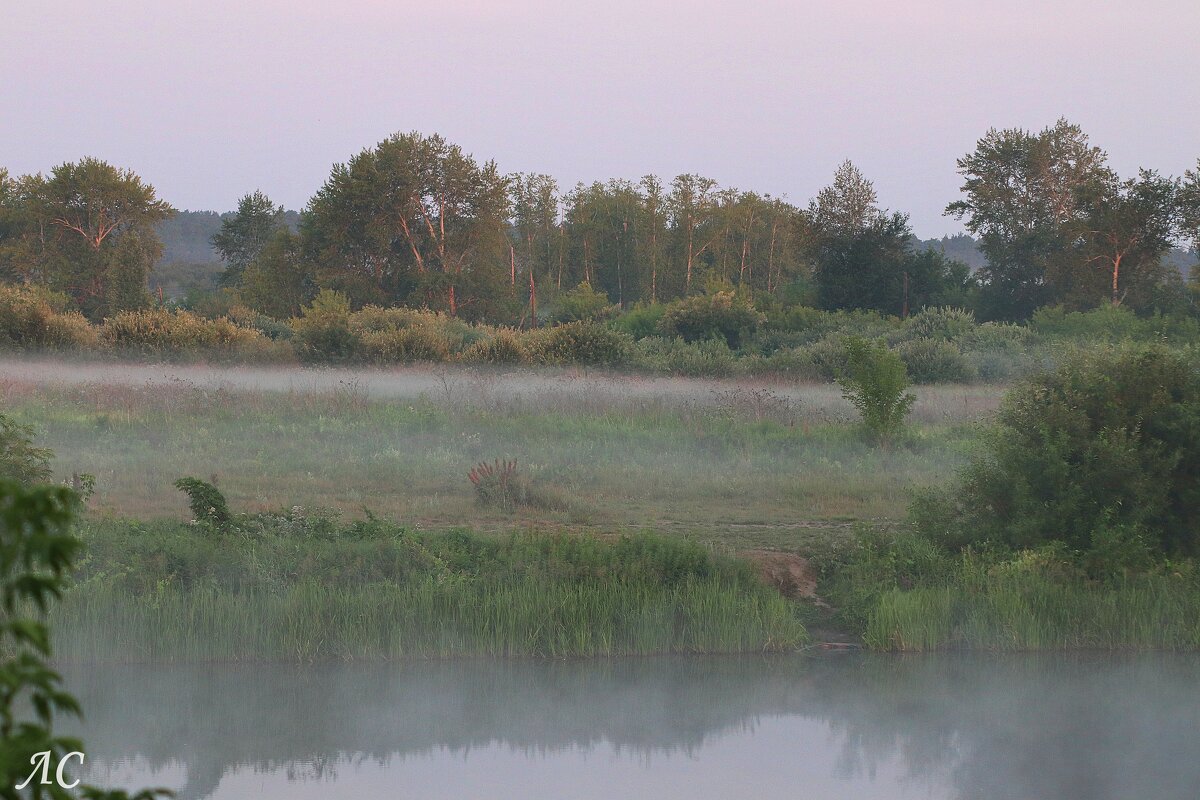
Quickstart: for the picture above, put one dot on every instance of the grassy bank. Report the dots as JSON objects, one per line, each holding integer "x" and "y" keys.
{"x": 902, "y": 593}
{"x": 293, "y": 587}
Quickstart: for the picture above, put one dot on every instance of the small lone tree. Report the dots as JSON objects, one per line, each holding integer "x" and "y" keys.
{"x": 874, "y": 381}
{"x": 206, "y": 501}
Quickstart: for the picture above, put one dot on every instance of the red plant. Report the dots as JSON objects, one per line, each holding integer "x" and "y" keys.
{"x": 498, "y": 472}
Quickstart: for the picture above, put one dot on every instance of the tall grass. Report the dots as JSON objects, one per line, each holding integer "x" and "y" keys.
{"x": 284, "y": 592}
{"x": 1029, "y": 613}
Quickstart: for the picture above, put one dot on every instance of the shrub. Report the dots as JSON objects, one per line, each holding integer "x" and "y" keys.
{"x": 676, "y": 357}
{"x": 322, "y": 332}
{"x": 580, "y": 343}
{"x": 505, "y": 346}
{"x": 206, "y": 502}
{"x": 161, "y": 331}
{"x": 722, "y": 314}
{"x": 37, "y": 318}
{"x": 827, "y": 356}
{"x": 582, "y": 304}
{"x": 1102, "y": 451}
{"x": 1105, "y": 324}
{"x": 943, "y": 324}
{"x": 421, "y": 343}
{"x": 641, "y": 320}
{"x": 935, "y": 361}
{"x": 874, "y": 382}
{"x": 20, "y": 461}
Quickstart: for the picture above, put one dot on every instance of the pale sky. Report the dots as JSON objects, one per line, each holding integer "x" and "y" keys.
{"x": 209, "y": 100}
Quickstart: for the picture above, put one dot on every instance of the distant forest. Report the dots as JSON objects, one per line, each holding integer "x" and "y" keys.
{"x": 417, "y": 222}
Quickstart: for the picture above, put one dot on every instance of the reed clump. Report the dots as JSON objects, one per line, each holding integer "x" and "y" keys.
{"x": 300, "y": 587}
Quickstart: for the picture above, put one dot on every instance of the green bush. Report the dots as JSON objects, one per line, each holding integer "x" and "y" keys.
{"x": 580, "y": 343}
{"x": 1100, "y": 453}
{"x": 34, "y": 317}
{"x": 943, "y": 324}
{"x": 582, "y": 304}
{"x": 641, "y": 321}
{"x": 724, "y": 315}
{"x": 935, "y": 361}
{"x": 874, "y": 381}
{"x": 505, "y": 346}
{"x": 676, "y": 357}
{"x": 206, "y": 502}
{"x": 161, "y": 332}
{"x": 20, "y": 461}
{"x": 322, "y": 332}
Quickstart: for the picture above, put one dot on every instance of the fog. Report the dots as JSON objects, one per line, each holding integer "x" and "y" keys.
{"x": 1012, "y": 727}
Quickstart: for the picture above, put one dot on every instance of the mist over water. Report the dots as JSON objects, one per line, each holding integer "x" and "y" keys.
{"x": 1084, "y": 727}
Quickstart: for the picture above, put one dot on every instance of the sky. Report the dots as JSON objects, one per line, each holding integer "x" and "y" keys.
{"x": 210, "y": 100}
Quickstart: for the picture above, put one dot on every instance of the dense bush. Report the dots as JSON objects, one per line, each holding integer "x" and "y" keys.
{"x": 641, "y": 321}
{"x": 34, "y": 317}
{"x": 160, "y": 331}
{"x": 677, "y": 357}
{"x": 505, "y": 346}
{"x": 943, "y": 324}
{"x": 582, "y": 304}
{"x": 580, "y": 343}
{"x": 725, "y": 315}
{"x": 874, "y": 381}
{"x": 1102, "y": 455}
{"x": 322, "y": 331}
{"x": 935, "y": 361}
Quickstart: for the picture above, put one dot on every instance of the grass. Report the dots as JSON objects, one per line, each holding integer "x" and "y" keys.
{"x": 778, "y": 466}
{"x": 1150, "y": 613}
{"x": 297, "y": 588}
{"x": 903, "y": 593}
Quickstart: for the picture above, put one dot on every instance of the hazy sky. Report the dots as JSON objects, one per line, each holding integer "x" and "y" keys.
{"x": 208, "y": 100}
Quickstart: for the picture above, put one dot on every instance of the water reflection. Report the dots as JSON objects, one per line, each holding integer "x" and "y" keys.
{"x": 1012, "y": 728}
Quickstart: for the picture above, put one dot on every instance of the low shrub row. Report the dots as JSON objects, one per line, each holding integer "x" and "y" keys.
{"x": 717, "y": 334}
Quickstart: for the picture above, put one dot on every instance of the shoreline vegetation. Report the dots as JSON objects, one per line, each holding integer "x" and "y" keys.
{"x": 721, "y": 334}
{"x": 1063, "y": 518}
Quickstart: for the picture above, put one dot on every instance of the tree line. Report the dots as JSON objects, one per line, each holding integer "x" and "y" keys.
{"x": 416, "y": 221}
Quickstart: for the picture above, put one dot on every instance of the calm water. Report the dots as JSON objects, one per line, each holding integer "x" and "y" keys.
{"x": 844, "y": 726}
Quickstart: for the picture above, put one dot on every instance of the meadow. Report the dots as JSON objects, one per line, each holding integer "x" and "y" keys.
{"x": 739, "y": 464}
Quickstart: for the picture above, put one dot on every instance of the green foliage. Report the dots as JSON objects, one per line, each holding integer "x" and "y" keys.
{"x": 245, "y": 234}
{"x": 935, "y": 361}
{"x": 163, "y": 332}
{"x": 20, "y": 461}
{"x": 874, "y": 381}
{"x": 322, "y": 332}
{"x": 675, "y": 357}
{"x": 723, "y": 314}
{"x": 641, "y": 321}
{"x": 1098, "y": 455}
{"x": 298, "y": 591}
{"x": 37, "y": 550}
{"x": 505, "y": 346}
{"x": 36, "y": 318}
{"x": 944, "y": 324}
{"x": 583, "y": 304}
{"x": 580, "y": 343}
{"x": 206, "y": 502}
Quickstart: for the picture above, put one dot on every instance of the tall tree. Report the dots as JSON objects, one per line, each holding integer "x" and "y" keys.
{"x": 88, "y": 229}
{"x": 1130, "y": 226}
{"x": 245, "y": 233}
{"x": 414, "y": 219}
{"x": 1024, "y": 196}
{"x": 692, "y": 203}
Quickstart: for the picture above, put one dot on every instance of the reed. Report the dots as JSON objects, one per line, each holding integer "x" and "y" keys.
{"x": 1154, "y": 612}
{"x": 388, "y": 593}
